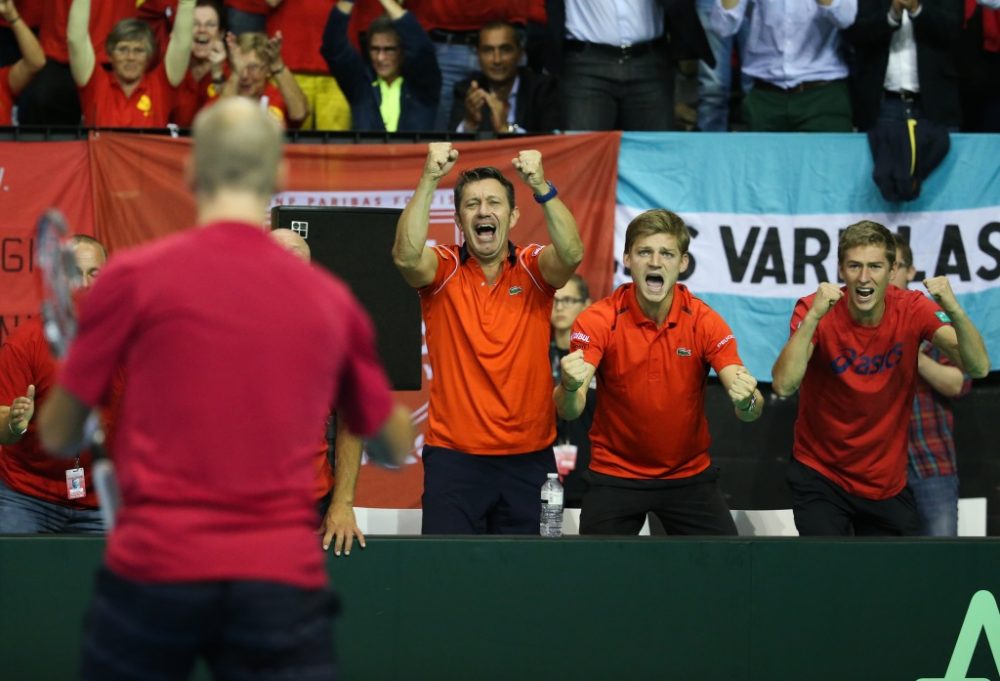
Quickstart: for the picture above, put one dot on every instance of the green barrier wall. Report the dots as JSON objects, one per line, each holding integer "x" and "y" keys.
{"x": 589, "y": 609}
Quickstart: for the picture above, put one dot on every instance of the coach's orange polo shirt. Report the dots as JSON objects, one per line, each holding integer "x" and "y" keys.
{"x": 650, "y": 419}
{"x": 491, "y": 391}
{"x": 105, "y": 104}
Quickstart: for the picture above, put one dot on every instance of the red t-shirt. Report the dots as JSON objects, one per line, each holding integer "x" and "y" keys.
{"x": 857, "y": 392}
{"x": 105, "y": 105}
{"x": 489, "y": 350}
{"x": 192, "y": 96}
{"x": 6, "y": 97}
{"x": 235, "y": 350}
{"x": 650, "y": 419}
{"x": 104, "y": 14}
{"x": 302, "y": 20}
{"x": 462, "y": 15}
{"x": 25, "y": 360}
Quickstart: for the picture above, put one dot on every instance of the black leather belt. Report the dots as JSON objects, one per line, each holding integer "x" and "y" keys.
{"x": 904, "y": 95}
{"x": 801, "y": 87}
{"x": 440, "y": 35}
{"x": 615, "y": 51}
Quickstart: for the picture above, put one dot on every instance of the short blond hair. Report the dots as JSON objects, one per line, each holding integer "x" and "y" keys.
{"x": 237, "y": 146}
{"x": 658, "y": 221}
{"x": 867, "y": 233}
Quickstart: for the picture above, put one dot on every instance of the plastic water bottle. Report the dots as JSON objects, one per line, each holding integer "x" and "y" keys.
{"x": 552, "y": 507}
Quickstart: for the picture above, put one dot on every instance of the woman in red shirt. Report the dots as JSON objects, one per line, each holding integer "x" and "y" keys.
{"x": 258, "y": 72}
{"x": 14, "y": 78}
{"x": 129, "y": 95}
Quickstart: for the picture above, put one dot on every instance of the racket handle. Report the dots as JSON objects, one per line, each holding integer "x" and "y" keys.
{"x": 108, "y": 493}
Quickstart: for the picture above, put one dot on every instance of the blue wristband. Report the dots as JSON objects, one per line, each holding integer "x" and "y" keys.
{"x": 547, "y": 196}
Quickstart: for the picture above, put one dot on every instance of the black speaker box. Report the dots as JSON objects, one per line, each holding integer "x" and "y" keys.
{"x": 356, "y": 245}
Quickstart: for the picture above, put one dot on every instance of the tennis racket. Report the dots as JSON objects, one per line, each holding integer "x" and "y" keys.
{"x": 55, "y": 260}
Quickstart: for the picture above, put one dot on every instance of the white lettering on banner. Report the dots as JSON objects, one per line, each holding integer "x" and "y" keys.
{"x": 789, "y": 255}
{"x": 442, "y": 206}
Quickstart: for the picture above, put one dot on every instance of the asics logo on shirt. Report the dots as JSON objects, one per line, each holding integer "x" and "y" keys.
{"x": 863, "y": 365}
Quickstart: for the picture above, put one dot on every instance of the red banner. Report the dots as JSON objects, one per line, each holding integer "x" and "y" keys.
{"x": 35, "y": 176}
{"x": 140, "y": 194}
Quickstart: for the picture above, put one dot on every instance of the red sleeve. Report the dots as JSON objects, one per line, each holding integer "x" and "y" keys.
{"x": 107, "y": 317}
{"x": 365, "y": 399}
{"x": 799, "y": 313}
{"x": 447, "y": 267}
{"x": 528, "y": 257}
{"x": 926, "y": 315}
{"x": 718, "y": 344}
{"x": 592, "y": 332}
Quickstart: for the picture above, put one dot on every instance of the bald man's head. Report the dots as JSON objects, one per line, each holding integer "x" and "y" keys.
{"x": 237, "y": 147}
{"x": 293, "y": 242}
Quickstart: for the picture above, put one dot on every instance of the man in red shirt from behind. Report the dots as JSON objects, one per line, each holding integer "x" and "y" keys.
{"x": 853, "y": 355}
{"x": 651, "y": 344}
{"x": 235, "y": 351}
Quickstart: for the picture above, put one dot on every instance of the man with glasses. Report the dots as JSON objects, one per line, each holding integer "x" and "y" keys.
{"x": 397, "y": 89}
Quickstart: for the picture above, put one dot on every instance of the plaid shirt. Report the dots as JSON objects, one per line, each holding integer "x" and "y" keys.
{"x": 932, "y": 447}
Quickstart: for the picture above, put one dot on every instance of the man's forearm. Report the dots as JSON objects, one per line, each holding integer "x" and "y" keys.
{"x": 411, "y": 230}
{"x": 569, "y": 405}
{"x": 971, "y": 348}
{"x": 347, "y": 449}
{"x": 563, "y": 232}
{"x": 790, "y": 367}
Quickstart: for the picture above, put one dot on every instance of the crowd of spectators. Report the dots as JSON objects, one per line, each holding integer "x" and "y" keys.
{"x": 504, "y": 66}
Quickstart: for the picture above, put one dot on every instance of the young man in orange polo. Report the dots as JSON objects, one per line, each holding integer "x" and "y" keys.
{"x": 650, "y": 344}
{"x": 486, "y": 306}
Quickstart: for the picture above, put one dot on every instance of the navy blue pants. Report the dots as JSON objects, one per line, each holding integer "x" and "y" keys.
{"x": 243, "y": 630}
{"x": 476, "y": 494}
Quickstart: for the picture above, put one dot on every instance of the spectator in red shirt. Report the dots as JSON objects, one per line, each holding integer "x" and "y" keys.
{"x": 129, "y": 95}
{"x": 258, "y": 72}
{"x": 206, "y": 72}
{"x": 853, "y": 354}
{"x": 51, "y": 98}
{"x": 13, "y": 78}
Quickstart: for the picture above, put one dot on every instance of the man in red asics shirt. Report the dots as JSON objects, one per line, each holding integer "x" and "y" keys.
{"x": 234, "y": 350}
{"x": 853, "y": 352}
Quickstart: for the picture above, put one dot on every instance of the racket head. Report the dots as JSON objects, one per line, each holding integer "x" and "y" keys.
{"x": 57, "y": 264}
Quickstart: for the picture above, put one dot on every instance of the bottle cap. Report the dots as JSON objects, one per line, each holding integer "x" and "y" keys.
{"x": 553, "y": 475}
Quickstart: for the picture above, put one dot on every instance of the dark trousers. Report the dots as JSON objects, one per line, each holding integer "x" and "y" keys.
{"x": 824, "y": 509}
{"x": 826, "y": 108}
{"x": 474, "y": 494}
{"x": 692, "y": 506}
{"x": 602, "y": 91}
{"x": 243, "y": 629}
